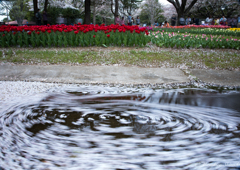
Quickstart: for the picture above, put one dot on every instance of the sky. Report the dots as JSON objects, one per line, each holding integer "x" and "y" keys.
{"x": 164, "y": 2}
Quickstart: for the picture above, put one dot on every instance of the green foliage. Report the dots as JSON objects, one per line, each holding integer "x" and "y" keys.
{"x": 209, "y": 31}
{"x": 131, "y": 4}
{"x": 30, "y": 16}
{"x": 19, "y": 10}
{"x": 5, "y": 19}
{"x": 163, "y": 39}
{"x": 151, "y": 12}
{"x": 60, "y": 39}
{"x": 69, "y": 13}
{"x": 53, "y": 14}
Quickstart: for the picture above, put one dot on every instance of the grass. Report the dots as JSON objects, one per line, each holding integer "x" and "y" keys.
{"x": 191, "y": 58}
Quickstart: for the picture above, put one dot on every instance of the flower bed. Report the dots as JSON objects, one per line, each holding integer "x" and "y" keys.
{"x": 77, "y": 35}
{"x": 210, "y": 31}
{"x": 187, "y": 40}
{"x": 234, "y": 29}
{"x": 200, "y": 26}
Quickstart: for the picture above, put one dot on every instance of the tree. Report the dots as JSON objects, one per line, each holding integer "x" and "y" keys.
{"x": 116, "y": 8}
{"x": 19, "y": 10}
{"x": 215, "y": 8}
{"x": 5, "y": 19}
{"x": 154, "y": 9}
{"x": 97, "y": 6}
{"x": 7, "y": 5}
{"x": 168, "y": 11}
{"x": 128, "y": 6}
{"x": 35, "y": 6}
{"x": 87, "y": 18}
{"x": 45, "y": 5}
{"x": 182, "y": 8}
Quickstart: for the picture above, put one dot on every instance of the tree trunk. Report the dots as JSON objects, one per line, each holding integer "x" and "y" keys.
{"x": 115, "y": 13}
{"x": 179, "y": 14}
{"x": 45, "y": 5}
{"x": 116, "y": 9}
{"x": 19, "y": 21}
{"x": 182, "y": 8}
{"x": 35, "y": 6}
{"x": 87, "y": 18}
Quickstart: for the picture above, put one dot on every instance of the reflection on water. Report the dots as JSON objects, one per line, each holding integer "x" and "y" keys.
{"x": 113, "y": 128}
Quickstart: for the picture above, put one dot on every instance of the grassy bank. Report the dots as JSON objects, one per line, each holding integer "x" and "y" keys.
{"x": 145, "y": 57}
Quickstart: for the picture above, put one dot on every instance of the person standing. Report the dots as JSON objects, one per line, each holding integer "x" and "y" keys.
{"x": 173, "y": 20}
{"x": 122, "y": 21}
{"x": 38, "y": 17}
{"x": 45, "y": 19}
{"x": 182, "y": 20}
{"x": 117, "y": 20}
{"x": 238, "y": 25}
{"x": 234, "y": 22}
{"x": 138, "y": 21}
{"x": 129, "y": 19}
{"x": 230, "y": 22}
{"x": 133, "y": 21}
{"x": 188, "y": 21}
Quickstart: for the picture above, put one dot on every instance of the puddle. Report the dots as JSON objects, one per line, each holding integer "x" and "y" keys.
{"x": 93, "y": 127}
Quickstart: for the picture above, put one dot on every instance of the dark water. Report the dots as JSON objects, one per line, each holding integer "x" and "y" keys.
{"x": 114, "y": 128}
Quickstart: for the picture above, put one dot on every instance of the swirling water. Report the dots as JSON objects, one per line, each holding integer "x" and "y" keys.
{"x": 92, "y": 127}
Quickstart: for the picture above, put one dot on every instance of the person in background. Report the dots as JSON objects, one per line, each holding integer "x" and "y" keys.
{"x": 166, "y": 24}
{"x": 182, "y": 20}
{"x": 209, "y": 20}
{"x": 216, "y": 21}
{"x": 173, "y": 20}
{"x": 238, "y": 25}
{"x": 156, "y": 24}
{"x": 234, "y": 22}
{"x": 138, "y": 21}
{"x": 117, "y": 20}
{"x": 212, "y": 23}
{"x": 196, "y": 21}
{"x": 188, "y": 21}
{"x": 122, "y": 21}
{"x": 223, "y": 20}
{"x": 45, "y": 19}
{"x": 133, "y": 21}
{"x": 129, "y": 19}
{"x": 230, "y": 22}
{"x": 38, "y": 17}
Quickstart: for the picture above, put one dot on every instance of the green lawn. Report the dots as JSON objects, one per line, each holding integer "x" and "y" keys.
{"x": 145, "y": 57}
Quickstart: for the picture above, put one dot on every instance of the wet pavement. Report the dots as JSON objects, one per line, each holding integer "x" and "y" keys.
{"x": 113, "y": 74}
{"x": 92, "y": 74}
{"x": 220, "y": 77}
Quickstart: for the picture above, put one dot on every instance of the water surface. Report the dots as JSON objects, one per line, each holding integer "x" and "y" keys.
{"x": 93, "y": 127}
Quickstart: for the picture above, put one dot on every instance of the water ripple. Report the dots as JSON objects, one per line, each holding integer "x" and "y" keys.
{"x": 88, "y": 128}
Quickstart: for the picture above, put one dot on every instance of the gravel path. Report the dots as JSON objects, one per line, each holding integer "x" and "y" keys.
{"x": 11, "y": 90}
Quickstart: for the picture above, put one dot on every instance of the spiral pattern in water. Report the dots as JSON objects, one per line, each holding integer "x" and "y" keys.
{"x": 92, "y": 129}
